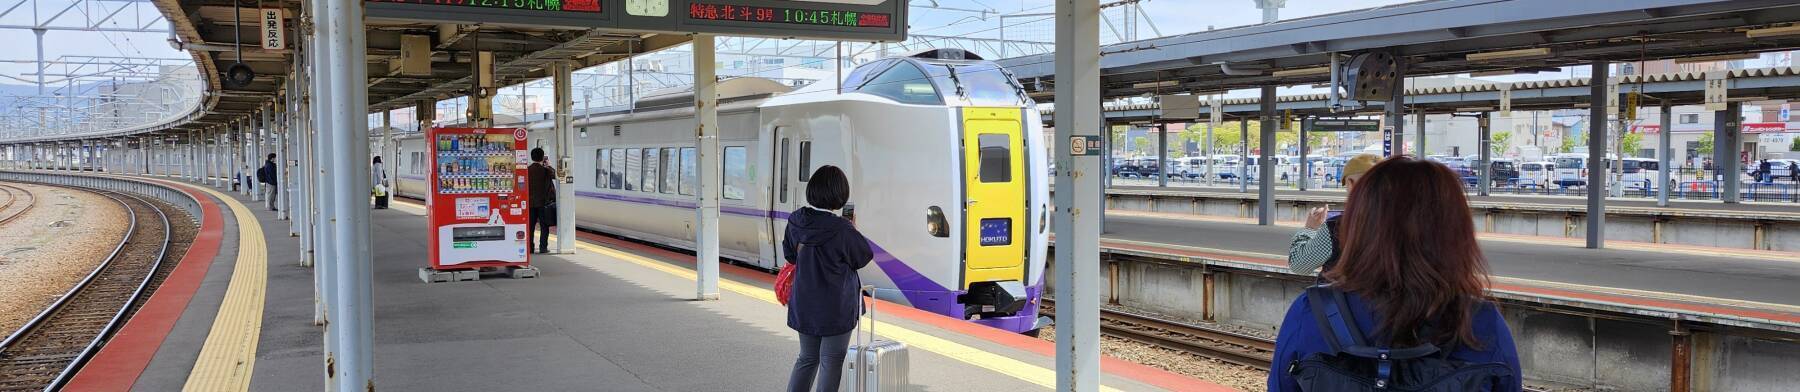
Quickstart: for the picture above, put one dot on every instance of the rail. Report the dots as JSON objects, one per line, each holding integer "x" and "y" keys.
{"x": 13, "y": 195}
{"x": 1199, "y": 340}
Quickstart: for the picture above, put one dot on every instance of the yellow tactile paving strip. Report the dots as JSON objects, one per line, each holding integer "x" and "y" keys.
{"x": 1015, "y": 368}
{"x": 229, "y": 356}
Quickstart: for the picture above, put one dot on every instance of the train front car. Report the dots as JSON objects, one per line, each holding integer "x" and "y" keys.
{"x": 948, "y": 174}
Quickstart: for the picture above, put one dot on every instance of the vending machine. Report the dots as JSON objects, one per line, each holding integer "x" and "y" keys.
{"x": 478, "y": 200}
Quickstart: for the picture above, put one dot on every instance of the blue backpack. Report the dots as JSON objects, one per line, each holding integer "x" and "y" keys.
{"x": 1354, "y": 365}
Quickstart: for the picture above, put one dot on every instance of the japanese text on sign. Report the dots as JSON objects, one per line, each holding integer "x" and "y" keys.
{"x": 590, "y": 6}
{"x": 273, "y": 36}
{"x": 741, "y": 13}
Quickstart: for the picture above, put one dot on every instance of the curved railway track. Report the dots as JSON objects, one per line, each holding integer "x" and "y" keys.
{"x": 1206, "y": 342}
{"x": 46, "y": 351}
{"x": 18, "y": 201}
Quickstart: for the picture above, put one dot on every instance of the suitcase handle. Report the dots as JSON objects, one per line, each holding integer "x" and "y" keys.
{"x": 862, "y": 364}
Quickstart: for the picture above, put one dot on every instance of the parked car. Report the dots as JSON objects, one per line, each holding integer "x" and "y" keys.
{"x": 1640, "y": 174}
{"x": 1505, "y": 171}
{"x": 1538, "y": 174}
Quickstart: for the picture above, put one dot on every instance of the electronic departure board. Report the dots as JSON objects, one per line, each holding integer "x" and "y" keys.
{"x": 744, "y": 13}
{"x": 859, "y": 20}
{"x": 589, "y": 6}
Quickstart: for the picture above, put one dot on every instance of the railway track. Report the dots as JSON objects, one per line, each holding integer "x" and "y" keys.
{"x": 45, "y": 352}
{"x": 1206, "y": 342}
{"x": 18, "y": 201}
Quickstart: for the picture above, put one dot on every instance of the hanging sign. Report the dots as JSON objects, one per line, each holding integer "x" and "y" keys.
{"x": 273, "y": 36}
{"x": 1715, "y": 90}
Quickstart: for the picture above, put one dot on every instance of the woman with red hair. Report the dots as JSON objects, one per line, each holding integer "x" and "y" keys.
{"x": 1406, "y": 307}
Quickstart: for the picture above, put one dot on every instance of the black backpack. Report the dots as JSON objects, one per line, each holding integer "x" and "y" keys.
{"x": 1355, "y": 365}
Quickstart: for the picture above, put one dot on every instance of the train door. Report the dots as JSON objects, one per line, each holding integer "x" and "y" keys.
{"x": 792, "y": 154}
{"x": 993, "y": 195}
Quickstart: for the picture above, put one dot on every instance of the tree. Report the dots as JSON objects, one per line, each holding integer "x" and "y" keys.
{"x": 1706, "y": 144}
{"x": 1501, "y": 142}
{"x": 1795, "y": 146}
{"x": 1567, "y": 145}
{"x": 1144, "y": 146}
{"x": 1630, "y": 143}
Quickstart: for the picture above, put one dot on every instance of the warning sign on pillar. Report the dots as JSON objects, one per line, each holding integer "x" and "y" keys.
{"x": 1084, "y": 146}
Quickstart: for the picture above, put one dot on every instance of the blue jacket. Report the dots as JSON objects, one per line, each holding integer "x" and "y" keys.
{"x": 826, "y": 251}
{"x": 1300, "y": 336}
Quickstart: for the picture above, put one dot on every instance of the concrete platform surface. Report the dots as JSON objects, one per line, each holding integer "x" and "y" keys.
{"x": 608, "y": 318}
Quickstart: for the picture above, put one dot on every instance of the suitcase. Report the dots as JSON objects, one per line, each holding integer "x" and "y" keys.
{"x": 874, "y": 365}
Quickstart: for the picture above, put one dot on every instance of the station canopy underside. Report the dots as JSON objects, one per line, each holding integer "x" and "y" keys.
{"x": 1434, "y": 37}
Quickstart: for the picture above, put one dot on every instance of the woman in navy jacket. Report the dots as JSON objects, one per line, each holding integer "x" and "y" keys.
{"x": 826, "y": 251}
{"x": 1411, "y": 273}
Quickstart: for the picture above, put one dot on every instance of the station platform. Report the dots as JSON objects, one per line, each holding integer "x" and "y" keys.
{"x": 613, "y": 316}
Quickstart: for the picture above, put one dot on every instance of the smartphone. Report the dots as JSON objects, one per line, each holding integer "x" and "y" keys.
{"x": 1333, "y": 214}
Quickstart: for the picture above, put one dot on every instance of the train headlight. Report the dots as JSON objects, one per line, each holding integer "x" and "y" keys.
{"x": 935, "y": 222}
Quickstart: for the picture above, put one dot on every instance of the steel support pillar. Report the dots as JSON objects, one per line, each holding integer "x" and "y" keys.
{"x": 1243, "y": 167}
{"x": 481, "y": 103}
{"x": 1419, "y": 148}
{"x": 1078, "y": 197}
{"x": 1663, "y": 153}
{"x": 350, "y": 139}
{"x": 1305, "y": 164}
{"x": 1728, "y": 169}
{"x": 1484, "y": 170}
{"x": 1396, "y": 110}
{"x": 706, "y": 133}
{"x": 323, "y": 192}
{"x": 1265, "y": 177}
{"x": 1597, "y": 173}
{"x": 1162, "y": 155}
{"x": 565, "y": 145}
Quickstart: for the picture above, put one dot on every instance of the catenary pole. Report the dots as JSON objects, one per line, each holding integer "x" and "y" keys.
{"x": 1078, "y": 193}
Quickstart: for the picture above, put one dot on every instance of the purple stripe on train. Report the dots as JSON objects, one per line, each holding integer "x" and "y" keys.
{"x": 921, "y": 292}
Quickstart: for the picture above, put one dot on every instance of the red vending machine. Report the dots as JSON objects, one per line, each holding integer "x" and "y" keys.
{"x": 478, "y": 198}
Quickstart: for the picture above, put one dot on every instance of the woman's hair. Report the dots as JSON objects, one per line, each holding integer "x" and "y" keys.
{"x": 377, "y": 159}
{"x": 828, "y": 189}
{"x": 537, "y": 154}
{"x": 1409, "y": 249}
{"x": 271, "y": 155}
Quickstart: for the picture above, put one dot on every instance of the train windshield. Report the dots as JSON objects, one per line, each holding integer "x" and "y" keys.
{"x": 980, "y": 83}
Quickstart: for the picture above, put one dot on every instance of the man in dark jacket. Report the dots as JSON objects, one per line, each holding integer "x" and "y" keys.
{"x": 542, "y": 195}
{"x": 1794, "y": 171}
{"x": 826, "y": 251}
{"x": 1764, "y": 172}
{"x": 266, "y": 176}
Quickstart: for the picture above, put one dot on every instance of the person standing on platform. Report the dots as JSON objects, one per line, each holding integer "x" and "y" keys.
{"x": 826, "y": 251}
{"x": 1315, "y": 247}
{"x": 266, "y": 177}
{"x": 542, "y": 194}
{"x": 378, "y": 184}
{"x": 1794, "y": 171}
{"x": 1412, "y": 282}
{"x": 1765, "y": 172}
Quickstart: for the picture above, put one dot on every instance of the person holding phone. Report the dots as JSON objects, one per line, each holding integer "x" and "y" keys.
{"x": 1315, "y": 247}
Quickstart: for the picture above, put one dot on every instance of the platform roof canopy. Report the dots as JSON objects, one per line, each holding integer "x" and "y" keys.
{"x": 1436, "y": 37}
{"x": 525, "y": 37}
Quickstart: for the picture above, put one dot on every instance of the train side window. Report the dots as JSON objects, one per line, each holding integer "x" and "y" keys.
{"x": 651, "y": 175}
{"x": 737, "y": 173}
{"x": 671, "y": 177}
{"x": 633, "y": 171}
{"x": 602, "y": 159}
{"x": 417, "y": 162}
{"x": 784, "y": 170}
{"x": 996, "y": 157}
{"x": 690, "y": 174}
{"x": 805, "y": 161}
{"x": 615, "y": 175}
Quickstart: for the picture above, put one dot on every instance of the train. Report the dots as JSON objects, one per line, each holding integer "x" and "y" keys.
{"x": 944, "y": 151}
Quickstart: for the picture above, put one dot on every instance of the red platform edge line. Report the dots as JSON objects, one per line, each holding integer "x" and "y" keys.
{"x": 1119, "y": 367}
{"x": 128, "y": 353}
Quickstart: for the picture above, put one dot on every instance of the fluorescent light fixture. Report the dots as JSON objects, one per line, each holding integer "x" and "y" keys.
{"x": 1165, "y": 83}
{"x": 1746, "y": 99}
{"x": 1722, "y": 57}
{"x": 1509, "y": 54}
{"x": 1773, "y": 32}
{"x": 1302, "y": 72}
{"x": 1476, "y": 109}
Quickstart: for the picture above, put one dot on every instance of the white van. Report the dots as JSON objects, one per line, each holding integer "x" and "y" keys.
{"x": 1572, "y": 169}
{"x": 1537, "y": 173}
{"x": 1640, "y": 174}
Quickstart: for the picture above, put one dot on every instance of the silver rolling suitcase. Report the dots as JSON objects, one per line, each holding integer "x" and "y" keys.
{"x": 874, "y": 365}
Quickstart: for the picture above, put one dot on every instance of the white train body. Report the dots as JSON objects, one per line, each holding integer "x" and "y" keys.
{"x": 929, "y": 168}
